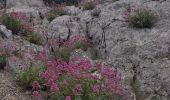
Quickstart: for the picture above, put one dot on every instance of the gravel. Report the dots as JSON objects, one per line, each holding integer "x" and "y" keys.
{"x": 10, "y": 90}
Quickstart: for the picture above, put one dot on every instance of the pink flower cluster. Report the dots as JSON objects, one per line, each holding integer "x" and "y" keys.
{"x": 109, "y": 82}
{"x": 77, "y": 39}
{"x": 24, "y": 19}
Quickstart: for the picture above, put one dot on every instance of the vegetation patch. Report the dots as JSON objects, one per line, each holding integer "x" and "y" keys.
{"x": 141, "y": 18}
{"x": 52, "y": 14}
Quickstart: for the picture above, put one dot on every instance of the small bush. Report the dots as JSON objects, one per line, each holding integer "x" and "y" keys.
{"x": 77, "y": 42}
{"x": 80, "y": 81}
{"x": 52, "y": 14}
{"x": 63, "y": 53}
{"x": 11, "y": 23}
{"x": 142, "y": 18}
{"x": 35, "y": 38}
{"x": 19, "y": 28}
{"x": 2, "y": 61}
{"x": 29, "y": 75}
{"x": 89, "y": 5}
{"x": 96, "y": 13}
{"x": 81, "y": 45}
{"x": 67, "y": 2}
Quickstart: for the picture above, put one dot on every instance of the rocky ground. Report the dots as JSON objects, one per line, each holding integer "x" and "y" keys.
{"x": 9, "y": 89}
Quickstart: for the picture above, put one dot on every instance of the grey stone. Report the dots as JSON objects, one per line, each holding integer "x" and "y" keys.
{"x": 28, "y": 3}
{"x": 5, "y": 32}
{"x": 142, "y": 56}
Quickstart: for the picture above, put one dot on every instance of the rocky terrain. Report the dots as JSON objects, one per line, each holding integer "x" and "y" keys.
{"x": 141, "y": 56}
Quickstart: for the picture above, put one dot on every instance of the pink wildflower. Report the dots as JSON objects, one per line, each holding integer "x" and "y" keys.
{"x": 68, "y": 98}
{"x": 54, "y": 88}
{"x": 78, "y": 88}
{"x": 36, "y": 95}
{"x": 96, "y": 89}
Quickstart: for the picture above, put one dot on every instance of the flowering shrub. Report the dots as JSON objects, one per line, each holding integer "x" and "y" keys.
{"x": 72, "y": 81}
{"x": 141, "y": 18}
{"x": 19, "y": 24}
{"x": 28, "y": 76}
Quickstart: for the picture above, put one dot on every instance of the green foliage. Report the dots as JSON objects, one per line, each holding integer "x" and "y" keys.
{"x": 26, "y": 77}
{"x": 86, "y": 92}
{"x": 89, "y": 5}
{"x": 11, "y": 23}
{"x": 63, "y": 53}
{"x": 115, "y": 0}
{"x": 3, "y": 61}
{"x": 17, "y": 27}
{"x": 81, "y": 45}
{"x": 52, "y": 14}
{"x": 68, "y": 2}
{"x": 96, "y": 13}
{"x": 35, "y": 38}
{"x": 142, "y": 19}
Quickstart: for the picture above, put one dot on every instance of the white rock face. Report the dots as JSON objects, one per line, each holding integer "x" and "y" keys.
{"x": 5, "y": 32}
{"x": 63, "y": 27}
{"x": 142, "y": 56}
{"x": 29, "y": 3}
{"x": 72, "y": 10}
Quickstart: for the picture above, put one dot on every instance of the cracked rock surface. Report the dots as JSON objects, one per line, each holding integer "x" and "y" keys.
{"x": 142, "y": 56}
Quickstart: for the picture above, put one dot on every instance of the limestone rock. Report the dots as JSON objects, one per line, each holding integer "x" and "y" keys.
{"x": 21, "y": 3}
{"x": 142, "y": 56}
{"x": 5, "y": 33}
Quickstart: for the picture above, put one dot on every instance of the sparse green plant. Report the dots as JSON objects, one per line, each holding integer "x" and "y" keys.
{"x": 63, "y": 53}
{"x": 35, "y": 38}
{"x": 81, "y": 45}
{"x": 89, "y": 5}
{"x": 142, "y": 18}
{"x": 67, "y": 2}
{"x": 52, "y": 14}
{"x": 96, "y": 13}
{"x": 26, "y": 77}
{"x": 115, "y": 0}
{"x": 3, "y": 61}
{"x": 11, "y": 23}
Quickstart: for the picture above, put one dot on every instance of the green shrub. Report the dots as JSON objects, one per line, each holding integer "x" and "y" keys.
{"x": 81, "y": 45}
{"x": 52, "y": 14}
{"x": 68, "y": 2}
{"x": 89, "y": 5}
{"x": 96, "y": 13}
{"x": 63, "y": 53}
{"x": 17, "y": 27}
{"x": 11, "y": 23}
{"x": 35, "y": 38}
{"x": 2, "y": 62}
{"x": 142, "y": 19}
{"x": 26, "y": 77}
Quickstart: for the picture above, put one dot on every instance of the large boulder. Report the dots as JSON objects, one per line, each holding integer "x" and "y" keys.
{"x": 63, "y": 27}
{"x": 142, "y": 56}
{"x": 29, "y": 3}
{"x": 33, "y": 14}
